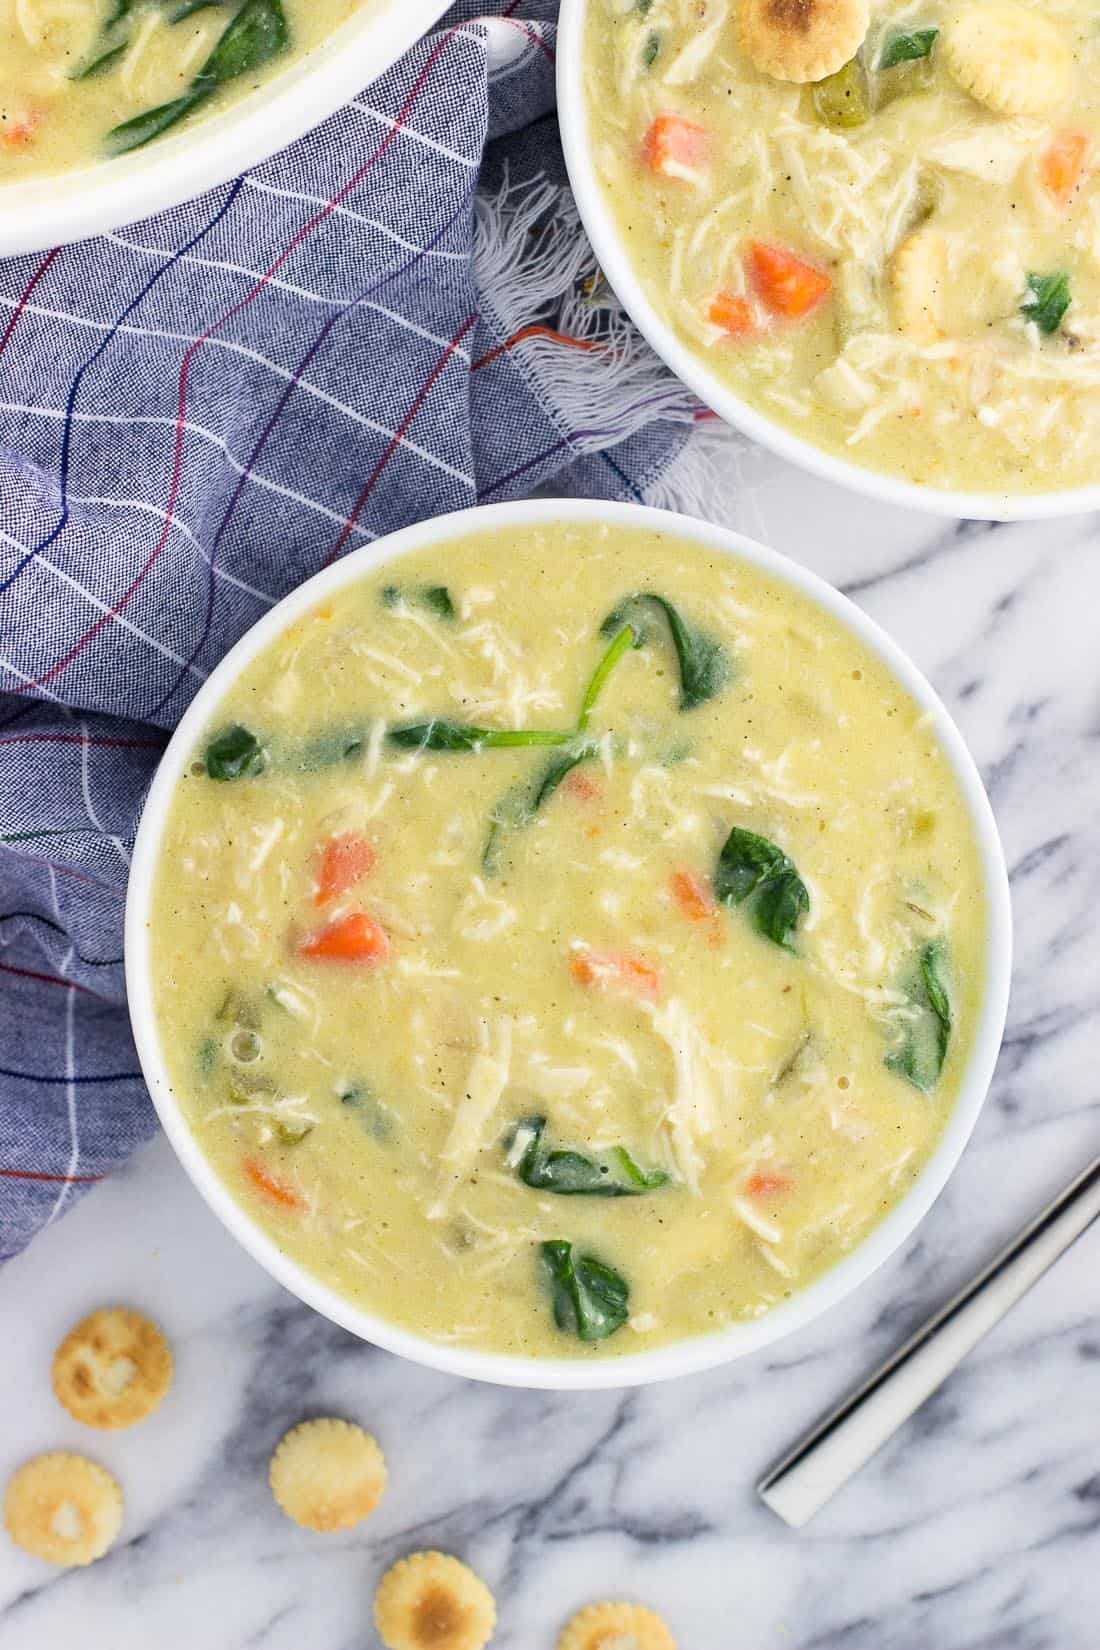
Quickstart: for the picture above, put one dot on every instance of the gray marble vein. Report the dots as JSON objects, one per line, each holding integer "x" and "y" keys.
{"x": 977, "y": 1528}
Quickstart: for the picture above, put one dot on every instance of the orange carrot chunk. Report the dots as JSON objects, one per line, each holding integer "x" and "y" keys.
{"x": 692, "y": 896}
{"x": 622, "y": 969}
{"x": 1062, "y": 166}
{"x": 732, "y": 313}
{"x": 19, "y": 124}
{"x": 274, "y": 1189}
{"x": 354, "y": 938}
{"x": 787, "y": 284}
{"x": 768, "y": 1183}
{"x": 674, "y": 145}
{"x": 344, "y": 859}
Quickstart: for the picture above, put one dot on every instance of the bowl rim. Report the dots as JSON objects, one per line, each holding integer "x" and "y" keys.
{"x": 697, "y": 1353}
{"x": 37, "y": 213}
{"x": 691, "y": 368}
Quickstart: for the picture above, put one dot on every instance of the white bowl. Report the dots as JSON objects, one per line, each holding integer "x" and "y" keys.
{"x": 690, "y": 366}
{"x": 95, "y": 199}
{"x": 687, "y": 1356}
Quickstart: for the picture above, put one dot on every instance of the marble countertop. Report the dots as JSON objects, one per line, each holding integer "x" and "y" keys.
{"x": 976, "y": 1527}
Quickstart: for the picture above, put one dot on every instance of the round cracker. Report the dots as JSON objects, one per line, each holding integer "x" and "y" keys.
{"x": 1009, "y": 57}
{"x": 801, "y": 40}
{"x": 616, "y": 1627}
{"x": 327, "y": 1474}
{"x": 919, "y": 276}
{"x": 63, "y": 1508}
{"x": 431, "y": 1601}
{"x": 113, "y": 1369}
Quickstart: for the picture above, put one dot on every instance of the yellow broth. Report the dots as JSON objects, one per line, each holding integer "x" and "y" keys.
{"x": 584, "y": 972}
{"x": 937, "y": 350}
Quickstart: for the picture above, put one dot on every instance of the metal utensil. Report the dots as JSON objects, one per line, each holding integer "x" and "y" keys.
{"x": 799, "y": 1485}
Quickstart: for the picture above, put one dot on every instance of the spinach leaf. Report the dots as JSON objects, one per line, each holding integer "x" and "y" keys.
{"x": 375, "y": 1116}
{"x": 704, "y": 664}
{"x": 924, "y": 1047}
{"x": 752, "y": 868}
{"x": 1048, "y": 298}
{"x": 591, "y": 1300}
{"x": 257, "y": 33}
{"x": 933, "y": 958}
{"x": 326, "y": 749}
{"x": 511, "y": 813}
{"x": 907, "y": 47}
{"x": 435, "y": 597}
{"x": 643, "y": 1180}
{"x": 519, "y": 807}
{"x": 622, "y": 642}
{"x": 651, "y": 49}
{"x": 151, "y": 123}
{"x": 99, "y": 65}
{"x": 441, "y": 735}
{"x": 557, "y": 769}
{"x": 572, "y": 1174}
{"x": 188, "y": 8}
{"x": 234, "y": 754}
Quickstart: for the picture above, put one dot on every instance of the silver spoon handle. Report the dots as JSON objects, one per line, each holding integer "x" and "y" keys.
{"x": 800, "y": 1484}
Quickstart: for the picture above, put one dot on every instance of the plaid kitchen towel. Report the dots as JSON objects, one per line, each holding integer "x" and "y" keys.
{"x": 396, "y": 317}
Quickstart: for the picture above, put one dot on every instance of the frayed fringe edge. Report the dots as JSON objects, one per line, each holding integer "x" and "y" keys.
{"x": 705, "y": 478}
{"x": 604, "y": 384}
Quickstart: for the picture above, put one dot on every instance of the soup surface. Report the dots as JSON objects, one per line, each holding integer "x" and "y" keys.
{"x": 81, "y": 80}
{"x": 879, "y": 225}
{"x": 556, "y": 969}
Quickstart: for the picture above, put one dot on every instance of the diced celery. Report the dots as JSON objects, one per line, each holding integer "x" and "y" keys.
{"x": 843, "y": 98}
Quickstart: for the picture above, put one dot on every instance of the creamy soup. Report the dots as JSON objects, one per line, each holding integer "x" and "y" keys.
{"x": 880, "y": 226}
{"x": 84, "y": 79}
{"x": 567, "y": 940}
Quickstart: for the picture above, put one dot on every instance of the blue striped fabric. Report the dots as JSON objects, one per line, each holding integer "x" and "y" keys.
{"x": 195, "y": 414}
